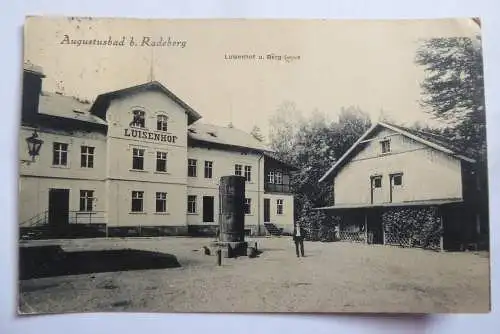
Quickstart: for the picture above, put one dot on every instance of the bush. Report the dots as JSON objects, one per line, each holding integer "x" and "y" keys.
{"x": 409, "y": 227}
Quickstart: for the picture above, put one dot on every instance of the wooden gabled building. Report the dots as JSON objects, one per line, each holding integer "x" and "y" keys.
{"x": 406, "y": 187}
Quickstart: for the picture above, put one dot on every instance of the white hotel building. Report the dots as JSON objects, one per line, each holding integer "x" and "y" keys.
{"x": 137, "y": 162}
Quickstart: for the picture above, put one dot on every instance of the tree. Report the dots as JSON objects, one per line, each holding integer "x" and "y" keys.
{"x": 453, "y": 90}
{"x": 283, "y": 126}
{"x": 313, "y": 145}
{"x": 257, "y": 134}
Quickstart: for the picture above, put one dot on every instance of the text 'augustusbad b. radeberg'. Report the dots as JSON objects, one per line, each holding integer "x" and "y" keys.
{"x": 126, "y": 41}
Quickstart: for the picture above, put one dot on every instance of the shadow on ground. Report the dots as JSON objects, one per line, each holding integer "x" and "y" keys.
{"x": 48, "y": 261}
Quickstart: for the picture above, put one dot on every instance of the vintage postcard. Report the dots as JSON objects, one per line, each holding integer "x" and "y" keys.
{"x": 253, "y": 166}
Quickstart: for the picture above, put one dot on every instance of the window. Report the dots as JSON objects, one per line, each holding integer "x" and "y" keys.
{"x": 385, "y": 146}
{"x": 279, "y": 177}
{"x": 137, "y": 201}
{"x": 377, "y": 182}
{"x": 139, "y": 119}
{"x": 162, "y": 123}
{"x": 279, "y": 206}
{"x": 60, "y": 156}
{"x": 248, "y": 173}
{"x": 191, "y": 204}
{"x": 86, "y": 200}
{"x": 161, "y": 161}
{"x": 161, "y": 202}
{"x": 270, "y": 177}
{"x": 192, "y": 167}
{"x": 87, "y": 157}
{"x": 138, "y": 158}
{"x": 397, "y": 179}
{"x": 238, "y": 170}
{"x": 248, "y": 206}
{"x": 208, "y": 169}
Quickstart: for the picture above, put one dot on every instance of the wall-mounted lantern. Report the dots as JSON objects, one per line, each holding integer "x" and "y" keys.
{"x": 34, "y": 145}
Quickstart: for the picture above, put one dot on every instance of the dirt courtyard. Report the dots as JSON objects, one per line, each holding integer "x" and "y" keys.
{"x": 333, "y": 277}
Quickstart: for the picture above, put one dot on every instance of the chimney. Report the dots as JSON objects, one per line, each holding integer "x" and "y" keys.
{"x": 32, "y": 89}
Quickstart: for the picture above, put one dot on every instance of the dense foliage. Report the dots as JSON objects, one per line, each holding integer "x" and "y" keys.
{"x": 408, "y": 227}
{"x": 453, "y": 89}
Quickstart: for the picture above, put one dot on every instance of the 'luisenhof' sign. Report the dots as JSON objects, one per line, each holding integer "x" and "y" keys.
{"x": 143, "y": 134}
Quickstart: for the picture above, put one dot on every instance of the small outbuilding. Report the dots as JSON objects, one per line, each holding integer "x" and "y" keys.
{"x": 399, "y": 186}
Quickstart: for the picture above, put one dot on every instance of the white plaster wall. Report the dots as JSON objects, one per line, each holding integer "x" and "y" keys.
{"x": 120, "y": 204}
{"x": 427, "y": 173}
{"x": 120, "y": 147}
{"x": 284, "y": 220}
{"x": 42, "y": 166}
{"x": 34, "y": 195}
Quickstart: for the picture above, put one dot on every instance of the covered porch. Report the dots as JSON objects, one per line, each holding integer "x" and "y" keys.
{"x": 437, "y": 224}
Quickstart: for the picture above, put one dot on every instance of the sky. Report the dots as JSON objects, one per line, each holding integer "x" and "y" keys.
{"x": 342, "y": 63}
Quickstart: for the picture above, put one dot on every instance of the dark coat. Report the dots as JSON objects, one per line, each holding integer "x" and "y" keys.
{"x": 302, "y": 233}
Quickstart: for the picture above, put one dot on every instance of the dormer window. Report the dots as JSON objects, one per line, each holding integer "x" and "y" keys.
{"x": 385, "y": 146}
{"x": 162, "y": 123}
{"x": 139, "y": 119}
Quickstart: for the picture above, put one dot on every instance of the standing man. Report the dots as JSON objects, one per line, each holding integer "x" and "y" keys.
{"x": 298, "y": 238}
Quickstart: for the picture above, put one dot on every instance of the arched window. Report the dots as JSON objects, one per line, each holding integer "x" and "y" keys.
{"x": 138, "y": 118}
{"x": 162, "y": 123}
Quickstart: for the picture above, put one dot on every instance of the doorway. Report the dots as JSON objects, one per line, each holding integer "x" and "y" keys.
{"x": 376, "y": 192}
{"x": 58, "y": 207}
{"x": 208, "y": 209}
{"x": 374, "y": 226}
{"x": 267, "y": 210}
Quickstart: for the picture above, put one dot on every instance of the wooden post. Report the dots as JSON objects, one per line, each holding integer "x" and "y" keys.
{"x": 383, "y": 232}
{"x": 441, "y": 237}
{"x": 366, "y": 227}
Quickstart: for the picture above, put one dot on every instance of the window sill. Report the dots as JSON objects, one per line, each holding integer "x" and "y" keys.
{"x": 162, "y": 173}
{"x": 248, "y": 214}
{"x": 137, "y": 213}
{"x": 60, "y": 166}
{"x": 138, "y": 170}
{"x": 192, "y": 213}
{"x": 162, "y": 213}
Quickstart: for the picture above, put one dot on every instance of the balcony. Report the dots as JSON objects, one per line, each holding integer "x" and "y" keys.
{"x": 277, "y": 188}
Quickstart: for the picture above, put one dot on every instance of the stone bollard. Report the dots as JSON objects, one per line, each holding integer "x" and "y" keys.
{"x": 219, "y": 257}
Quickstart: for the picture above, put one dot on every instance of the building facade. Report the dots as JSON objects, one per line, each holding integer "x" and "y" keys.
{"x": 137, "y": 161}
{"x": 405, "y": 187}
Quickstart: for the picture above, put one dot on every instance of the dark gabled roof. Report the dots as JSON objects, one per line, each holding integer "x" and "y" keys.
{"x": 64, "y": 106}
{"x": 229, "y": 136}
{"x": 102, "y": 102}
{"x": 437, "y": 142}
{"x": 441, "y": 140}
